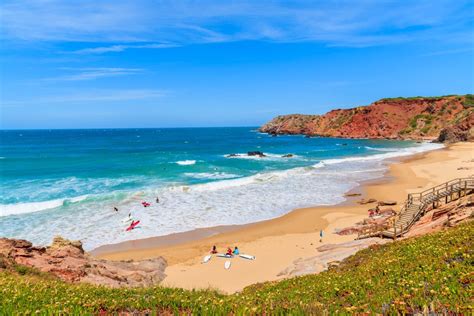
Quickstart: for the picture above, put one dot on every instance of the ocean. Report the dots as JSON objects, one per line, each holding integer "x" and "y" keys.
{"x": 67, "y": 182}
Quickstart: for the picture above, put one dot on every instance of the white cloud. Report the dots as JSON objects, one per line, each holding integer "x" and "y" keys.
{"x": 95, "y": 73}
{"x": 120, "y": 48}
{"x": 336, "y": 22}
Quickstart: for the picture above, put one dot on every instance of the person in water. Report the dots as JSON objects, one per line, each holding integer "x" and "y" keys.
{"x": 157, "y": 200}
{"x": 115, "y": 209}
{"x": 236, "y": 251}
{"x": 214, "y": 249}
{"x": 229, "y": 252}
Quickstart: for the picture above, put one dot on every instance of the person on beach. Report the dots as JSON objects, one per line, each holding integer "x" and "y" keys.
{"x": 321, "y": 235}
{"x": 236, "y": 251}
{"x": 229, "y": 252}
{"x": 214, "y": 249}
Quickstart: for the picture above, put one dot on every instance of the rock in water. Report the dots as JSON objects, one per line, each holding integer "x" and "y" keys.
{"x": 256, "y": 153}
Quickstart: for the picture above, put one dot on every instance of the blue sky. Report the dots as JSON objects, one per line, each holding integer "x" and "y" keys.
{"x": 94, "y": 64}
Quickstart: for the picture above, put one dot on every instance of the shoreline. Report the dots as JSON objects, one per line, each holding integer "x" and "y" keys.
{"x": 278, "y": 243}
{"x": 207, "y": 232}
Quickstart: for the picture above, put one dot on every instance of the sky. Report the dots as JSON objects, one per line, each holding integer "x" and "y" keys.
{"x": 120, "y": 64}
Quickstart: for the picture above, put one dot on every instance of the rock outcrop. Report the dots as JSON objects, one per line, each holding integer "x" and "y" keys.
{"x": 67, "y": 260}
{"x": 460, "y": 132}
{"x": 395, "y": 118}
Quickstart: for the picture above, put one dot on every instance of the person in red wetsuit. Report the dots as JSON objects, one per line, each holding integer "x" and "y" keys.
{"x": 229, "y": 252}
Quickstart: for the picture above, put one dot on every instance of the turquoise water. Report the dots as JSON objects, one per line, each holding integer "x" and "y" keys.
{"x": 68, "y": 181}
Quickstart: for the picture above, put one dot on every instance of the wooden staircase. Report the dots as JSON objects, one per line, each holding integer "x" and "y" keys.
{"x": 417, "y": 204}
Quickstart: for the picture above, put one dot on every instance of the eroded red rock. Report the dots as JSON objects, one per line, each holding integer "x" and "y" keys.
{"x": 68, "y": 261}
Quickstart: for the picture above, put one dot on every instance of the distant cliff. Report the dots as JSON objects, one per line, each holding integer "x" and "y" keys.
{"x": 393, "y": 118}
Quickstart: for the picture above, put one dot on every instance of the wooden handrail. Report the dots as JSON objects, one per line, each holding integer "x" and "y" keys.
{"x": 424, "y": 199}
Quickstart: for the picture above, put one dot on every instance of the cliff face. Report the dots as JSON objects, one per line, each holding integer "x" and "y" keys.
{"x": 396, "y": 118}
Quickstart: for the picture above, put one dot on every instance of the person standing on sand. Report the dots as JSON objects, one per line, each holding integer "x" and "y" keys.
{"x": 321, "y": 235}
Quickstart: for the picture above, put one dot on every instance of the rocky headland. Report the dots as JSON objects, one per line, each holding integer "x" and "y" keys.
{"x": 67, "y": 261}
{"x": 446, "y": 119}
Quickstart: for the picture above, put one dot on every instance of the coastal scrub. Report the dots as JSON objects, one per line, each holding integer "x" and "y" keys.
{"x": 430, "y": 273}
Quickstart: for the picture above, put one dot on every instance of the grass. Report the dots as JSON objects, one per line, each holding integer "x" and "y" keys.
{"x": 468, "y": 101}
{"x": 432, "y": 98}
{"x": 430, "y": 273}
{"x": 427, "y": 118}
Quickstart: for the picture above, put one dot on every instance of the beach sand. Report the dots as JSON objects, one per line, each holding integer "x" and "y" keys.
{"x": 277, "y": 243}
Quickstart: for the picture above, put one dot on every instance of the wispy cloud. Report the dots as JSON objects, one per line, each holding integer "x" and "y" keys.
{"x": 120, "y": 48}
{"x": 80, "y": 74}
{"x": 333, "y": 22}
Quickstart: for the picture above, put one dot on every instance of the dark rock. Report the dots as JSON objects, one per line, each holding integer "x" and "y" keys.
{"x": 256, "y": 153}
{"x": 232, "y": 155}
{"x": 461, "y": 132}
{"x": 287, "y": 156}
{"x": 387, "y": 202}
{"x": 352, "y": 194}
{"x": 364, "y": 201}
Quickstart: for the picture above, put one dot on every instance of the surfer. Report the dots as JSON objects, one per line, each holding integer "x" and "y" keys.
{"x": 229, "y": 252}
{"x": 214, "y": 249}
{"x": 115, "y": 209}
{"x": 157, "y": 200}
{"x": 236, "y": 251}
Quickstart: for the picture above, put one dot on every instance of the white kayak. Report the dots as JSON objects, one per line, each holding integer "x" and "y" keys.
{"x": 227, "y": 265}
{"x": 249, "y": 257}
{"x": 206, "y": 259}
{"x": 223, "y": 255}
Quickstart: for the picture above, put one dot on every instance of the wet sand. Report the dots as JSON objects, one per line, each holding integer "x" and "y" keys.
{"x": 277, "y": 243}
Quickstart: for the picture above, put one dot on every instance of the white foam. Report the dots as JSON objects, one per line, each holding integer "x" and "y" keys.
{"x": 212, "y": 176}
{"x": 392, "y": 154}
{"x": 186, "y": 162}
{"x": 268, "y": 156}
{"x": 22, "y": 208}
{"x": 224, "y": 202}
{"x": 380, "y": 149}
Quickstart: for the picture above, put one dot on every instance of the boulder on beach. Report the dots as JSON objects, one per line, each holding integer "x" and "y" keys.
{"x": 352, "y": 194}
{"x": 364, "y": 201}
{"x": 67, "y": 260}
{"x": 387, "y": 202}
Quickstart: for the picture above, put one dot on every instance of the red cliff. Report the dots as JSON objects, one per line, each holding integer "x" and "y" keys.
{"x": 395, "y": 118}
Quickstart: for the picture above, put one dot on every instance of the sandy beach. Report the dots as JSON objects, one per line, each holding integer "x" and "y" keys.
{"x": 278, "y": 243}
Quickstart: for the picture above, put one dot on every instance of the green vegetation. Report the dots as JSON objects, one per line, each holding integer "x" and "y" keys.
{"x": 468, "y": 101}
{"x": 434, "y": 272}
{"x": 427, "y": 118}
